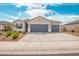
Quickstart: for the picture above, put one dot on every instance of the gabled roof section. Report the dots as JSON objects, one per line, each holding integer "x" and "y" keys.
{"x": 44, "y": 18}
{"x": 39, "y": 17}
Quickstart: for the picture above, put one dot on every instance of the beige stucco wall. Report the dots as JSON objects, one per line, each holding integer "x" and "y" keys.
{"x": 23, "y": 25}
{"x": 71, "y": 27}
{"x": 55, "y": 23}
{"x": 41, "y": 21}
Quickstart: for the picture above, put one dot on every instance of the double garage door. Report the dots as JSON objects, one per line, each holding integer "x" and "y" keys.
{"x": 39, "y": 28}
{"x": 43, "y": 28}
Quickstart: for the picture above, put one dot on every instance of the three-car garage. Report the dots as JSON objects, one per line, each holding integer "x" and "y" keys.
{"x": 43, "y": 28}
{"x": 41, "y": 24}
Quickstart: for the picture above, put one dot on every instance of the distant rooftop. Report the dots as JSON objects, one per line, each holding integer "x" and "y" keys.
{"x": 17, "y": 20}
{"x": 5, "y": 22}
{"x": 73, "y": 22}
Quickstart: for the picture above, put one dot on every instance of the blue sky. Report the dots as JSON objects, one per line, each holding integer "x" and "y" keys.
{"x": 64, "y": 12}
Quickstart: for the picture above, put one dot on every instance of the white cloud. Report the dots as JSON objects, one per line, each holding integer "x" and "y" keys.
{"x": 8, "y": 17}
{"x": 38, "y": 12}
{"x": 34, "y": 9}
{"x": 32, "y": 5}
{"x": 36, "y": 5}
{"x": 37, "y": 9}
{"x": 69, "y": 18}
{"x": 64, "y": 18}
{"x": 55, "y": 4}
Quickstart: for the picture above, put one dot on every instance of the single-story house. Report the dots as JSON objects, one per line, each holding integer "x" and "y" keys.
{"x": 74, "y": 25}
{"x": 37, "y": 24}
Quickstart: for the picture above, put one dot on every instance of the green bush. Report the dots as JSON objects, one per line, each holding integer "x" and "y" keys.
{"x": 64, "y": 29}
{"x": 77, "y": 30}
{"x": 15, "y": 35}
{"x": 0, "y": 33}
{"x": 72, "y": 31}
{"x": 20, "y": 32}
{"x": 8, "y": 33}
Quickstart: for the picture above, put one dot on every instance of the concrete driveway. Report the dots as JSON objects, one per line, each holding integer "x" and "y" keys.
{"x": 48, "y": 37}
{"x": 42, "y": 43}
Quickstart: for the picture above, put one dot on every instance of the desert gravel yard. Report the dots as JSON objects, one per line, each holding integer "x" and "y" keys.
{"x": 42, "y": 44}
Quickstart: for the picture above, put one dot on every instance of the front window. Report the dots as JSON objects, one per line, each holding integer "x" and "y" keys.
{"x": 19, "y": 26}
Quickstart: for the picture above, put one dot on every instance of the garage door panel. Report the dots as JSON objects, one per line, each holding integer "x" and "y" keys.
{"x": 55, "y": 28}
{"x": 39, "y": 28}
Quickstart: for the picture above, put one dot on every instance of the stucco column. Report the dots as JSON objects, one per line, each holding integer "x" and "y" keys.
{"x": 29, "y": 29}
{"x": 59, "y": 29}
{"x": 1, "y": 27}
{"x": 49, "y": 27}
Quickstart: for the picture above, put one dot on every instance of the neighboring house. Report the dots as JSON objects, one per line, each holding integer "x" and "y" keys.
{"x": 37, "y": 24}
{"x": 74, "y": 25}
{"x": 3, "y": 24}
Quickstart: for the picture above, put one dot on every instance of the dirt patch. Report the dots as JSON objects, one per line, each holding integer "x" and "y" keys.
{"x": 3, "y": 38}
{"x": 73, "y": 33}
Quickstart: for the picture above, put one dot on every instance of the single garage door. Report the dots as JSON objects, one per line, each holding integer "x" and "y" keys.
{"x": 55, "y": 28}
{"x": 39, "y": 28}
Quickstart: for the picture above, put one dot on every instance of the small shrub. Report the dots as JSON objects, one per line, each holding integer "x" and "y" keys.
{"x": 77, "y": 30}
{"x": 0, "y": 33}
{"x": 19, "y": 31}
{"x": 68, "y": 31}
{"x": 8, "y": 33}
{"x": 72, "y": 31}
{"x": 15, "y": 35}
{"x": 24, "y": 32}
{"x": 64, "y": 29}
